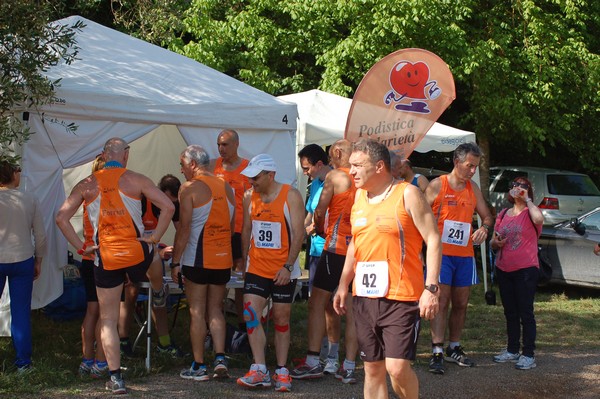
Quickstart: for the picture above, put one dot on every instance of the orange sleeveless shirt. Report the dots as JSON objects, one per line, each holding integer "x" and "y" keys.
{"x": 457, "y": 206}
{"x": 385, "y": 232}
{"x": 117, "y": 221}
{"x": 239, "y": 183}
{"x": 271, "y": 236}
{"x": 338, "y": 229}
{"x": 209, "y": 245}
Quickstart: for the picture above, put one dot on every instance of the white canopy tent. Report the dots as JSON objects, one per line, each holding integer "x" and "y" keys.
{"x": 322, "y": 120}
{"x": 158, "y": 101}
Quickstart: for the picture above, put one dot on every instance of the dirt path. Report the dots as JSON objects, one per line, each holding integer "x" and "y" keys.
{"x": 559, "y": 375}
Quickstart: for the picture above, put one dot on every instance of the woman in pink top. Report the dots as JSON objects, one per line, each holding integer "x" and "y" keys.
{"x": 515, "y": 239}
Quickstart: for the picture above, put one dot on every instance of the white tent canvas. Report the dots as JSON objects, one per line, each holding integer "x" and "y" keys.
{"x": 125, "y": 87}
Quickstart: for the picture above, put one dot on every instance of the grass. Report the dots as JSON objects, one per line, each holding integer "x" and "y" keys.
{"x": 567, "y": 318}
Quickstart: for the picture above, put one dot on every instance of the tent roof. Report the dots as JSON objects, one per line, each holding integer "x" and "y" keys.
{"x": 118, "y": 77}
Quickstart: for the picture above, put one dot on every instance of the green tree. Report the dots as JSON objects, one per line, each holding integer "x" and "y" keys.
{"x": 527, "y": 72}
{"x": 28, "y": 47}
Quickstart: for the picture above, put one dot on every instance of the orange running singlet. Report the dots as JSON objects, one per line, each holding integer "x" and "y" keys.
{"x": 209, "y": 244}
{"x": 384, "y": 232}
{"x": 453, "y": 211}
{"x": 239, "y": 183}
{"x": 117, "y": 221}
{"x": 270, "y": 242}
{"x": 337, "y": 228}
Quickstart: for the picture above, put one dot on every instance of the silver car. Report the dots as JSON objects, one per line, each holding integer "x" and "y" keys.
{"x": 568, "y": 249}
{"x": 561, "y": 195}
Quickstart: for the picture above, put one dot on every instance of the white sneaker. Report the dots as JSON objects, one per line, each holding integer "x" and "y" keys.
{"x": 506, "y": 356}
{"x": 331, "y": 366}
{"x": 525, "y": 363}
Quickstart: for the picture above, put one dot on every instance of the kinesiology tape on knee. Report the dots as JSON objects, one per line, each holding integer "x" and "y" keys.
{"x": 281, "y": 328}
{"x": 250, "y": 317}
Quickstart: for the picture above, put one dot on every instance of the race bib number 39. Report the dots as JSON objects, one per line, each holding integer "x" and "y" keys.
{"x": 456, "y": 233}
{"x": 371, "y": 279}
{"x": 266, "y": 234}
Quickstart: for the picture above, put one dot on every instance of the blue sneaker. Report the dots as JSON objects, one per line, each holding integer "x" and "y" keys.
{"x": 196, "y": 375}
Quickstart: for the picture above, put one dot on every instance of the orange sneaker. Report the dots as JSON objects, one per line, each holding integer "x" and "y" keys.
{"x": 283, "y": 381}
{"x": 255, "y": 378}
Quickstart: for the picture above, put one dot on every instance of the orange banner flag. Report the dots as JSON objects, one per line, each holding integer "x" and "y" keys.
{"x": 399, "y": 99}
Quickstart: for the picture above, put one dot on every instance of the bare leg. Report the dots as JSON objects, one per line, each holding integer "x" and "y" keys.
{"x": 350, "y": 338}
{"x": 108, "y": 299}
{"x": 216, "y": 318}
{"x": 333, "y": 323}
{"x": 256, "y": 333}
{"x": 438, "y": 324}
{"x": 126, "y": 309}
{"x": 281, "y": 319}
{"x": 404, "y": 380}
{"x": 88, "y": 330}
{"x": 375, "y": 380}
{"x": 155, "y": 272}
{"x": 316, "y": 318}
{"x": 458, "y": 313}
{"x": 196, "y": 294}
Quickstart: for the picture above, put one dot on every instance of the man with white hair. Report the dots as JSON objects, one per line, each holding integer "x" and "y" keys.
{"x": 112, "y": 197}
{"x": 272, "y": 236}
{"x": 202, "y": 254}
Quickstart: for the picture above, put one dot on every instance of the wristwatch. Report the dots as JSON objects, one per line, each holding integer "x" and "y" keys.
{"x": 433, "y": 288}
{"x": 289, "y": 267}
{"x": 485, "y": 226}
{"x": 173, "y": 265}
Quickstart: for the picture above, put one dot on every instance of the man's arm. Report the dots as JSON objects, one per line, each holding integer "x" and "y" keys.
{"x": 421, "y": 214}
{"x": 432, "y": 190}
{"x": 66, "y": 212}
{"x": 339, "y": 300}
{"x": 182, "y": 234}
{"x": 324, "y": 200}
{"x": 246, "y": 226}
{"x": 422, "y": 182}
{"x": 294, "y": 201}
{"x": 483, "y": 211}
{"x": 231, "y": 199}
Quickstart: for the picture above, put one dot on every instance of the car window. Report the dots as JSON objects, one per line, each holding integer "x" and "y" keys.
{"x": 592, "y": 222}
{"x": 572, "y": 185}
{"x": 506, "y": 177}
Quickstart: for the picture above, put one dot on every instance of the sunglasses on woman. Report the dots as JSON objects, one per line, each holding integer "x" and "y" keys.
{"x": 524, "y": 186}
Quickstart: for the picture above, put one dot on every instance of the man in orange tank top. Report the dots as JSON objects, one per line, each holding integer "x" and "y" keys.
{"x": 333, "y": 216}
{"x": 202, "y": 253}
{"x": 454, "y": 198}
{"x": 272, "y": 236}
{"x": 390, "y": 220}
{"x": 113, "y": 200}
{"x": 229, "y": 167}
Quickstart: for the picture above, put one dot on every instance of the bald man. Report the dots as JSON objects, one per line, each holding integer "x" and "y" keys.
{"x": 113, "y": 198}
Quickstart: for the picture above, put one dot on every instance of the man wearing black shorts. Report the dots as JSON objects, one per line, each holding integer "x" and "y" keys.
{"x": 336, "y": 202}
{"x": 203, "y": 255}
{"x": 272, "y": 236}
{"x": 113, "y": 200}
{"x": 388, "y": 276}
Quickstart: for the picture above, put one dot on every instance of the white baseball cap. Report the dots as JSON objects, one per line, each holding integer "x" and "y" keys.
{"x": 258, "y": 164}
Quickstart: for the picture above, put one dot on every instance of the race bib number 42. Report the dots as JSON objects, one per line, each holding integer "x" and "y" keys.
{"x": 266, "y": 234}
{"x": 371, "y": 279}
{"x": 456, "y": 233}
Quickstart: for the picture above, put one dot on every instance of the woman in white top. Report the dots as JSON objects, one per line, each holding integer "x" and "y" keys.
{"x": 20, "y": 257}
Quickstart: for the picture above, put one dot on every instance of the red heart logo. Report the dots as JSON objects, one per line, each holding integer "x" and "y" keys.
{"x": 409, "y": 80}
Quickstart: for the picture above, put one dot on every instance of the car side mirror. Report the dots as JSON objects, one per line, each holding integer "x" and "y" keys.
{"x": 578, "y": 226}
